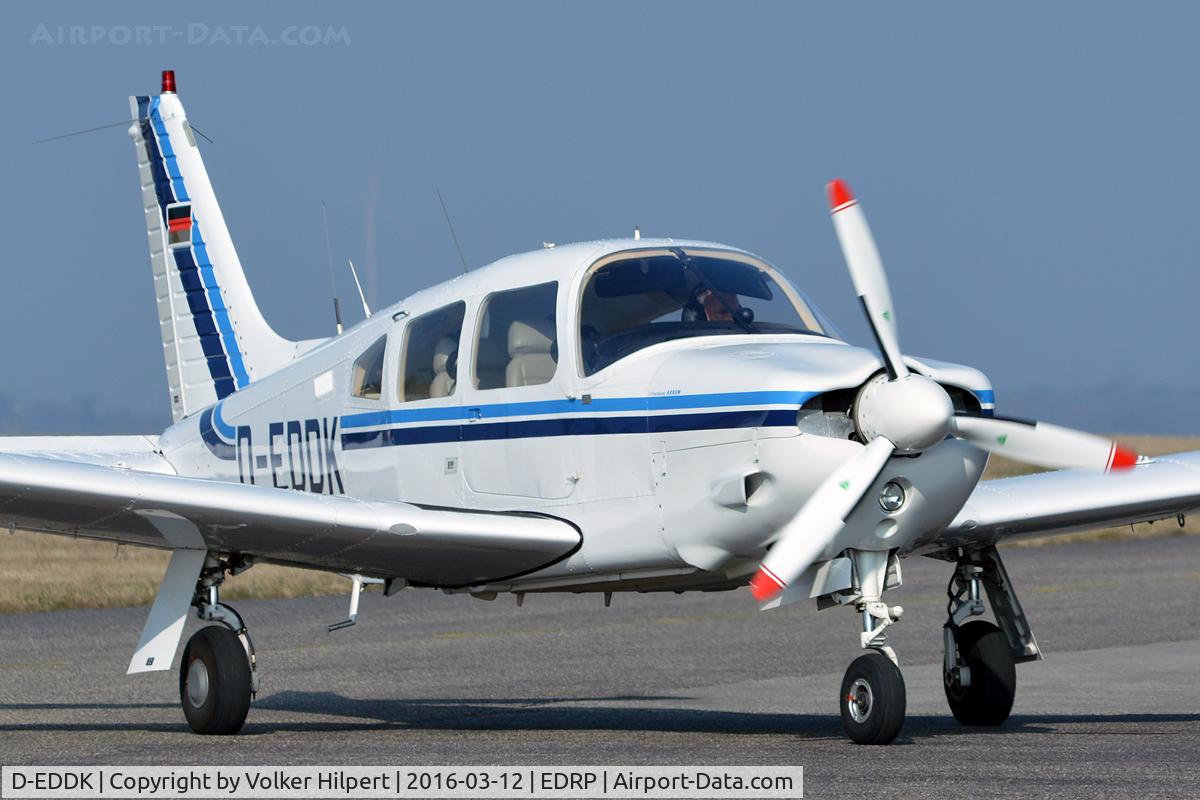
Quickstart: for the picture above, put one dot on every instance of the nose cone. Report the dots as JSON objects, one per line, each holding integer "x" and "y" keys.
{"x": 913, "y": 412}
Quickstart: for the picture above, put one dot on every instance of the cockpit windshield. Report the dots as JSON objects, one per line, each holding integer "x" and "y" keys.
{"x": 641, "y": 299}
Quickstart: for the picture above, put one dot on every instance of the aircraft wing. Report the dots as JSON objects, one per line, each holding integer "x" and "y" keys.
{"x": 99, "y": 493}
{"x": 1074, "y": 500}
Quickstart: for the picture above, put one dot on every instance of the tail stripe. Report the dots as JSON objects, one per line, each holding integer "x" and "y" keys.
{"x": 220, "y": 312}
{"x": 218, "y": 341}
{"x": 168, "y": 153}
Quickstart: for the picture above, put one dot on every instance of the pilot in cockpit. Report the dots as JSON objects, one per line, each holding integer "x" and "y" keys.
{"x": 711, "y": 306}
{"x": 719, "y": 306}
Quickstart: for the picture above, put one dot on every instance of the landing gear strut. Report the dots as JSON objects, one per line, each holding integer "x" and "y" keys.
{"x": 217, "y": 676}
{"x": 979, "y": 668}
{"x": 873, "y": 698}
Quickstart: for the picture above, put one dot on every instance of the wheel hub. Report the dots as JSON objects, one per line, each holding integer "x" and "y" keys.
{"x": 859, "y": 700}
{"x": 197, "y": 683}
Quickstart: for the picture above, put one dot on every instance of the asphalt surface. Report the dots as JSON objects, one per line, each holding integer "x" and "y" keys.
{"x": 426, "y": 678}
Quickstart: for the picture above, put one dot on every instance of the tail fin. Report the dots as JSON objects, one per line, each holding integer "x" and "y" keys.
{"x": 215, "y": 340}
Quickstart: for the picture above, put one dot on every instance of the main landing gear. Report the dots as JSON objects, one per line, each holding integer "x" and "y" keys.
{"x": 979, "y": 668}
{"x": 217, "y": 676}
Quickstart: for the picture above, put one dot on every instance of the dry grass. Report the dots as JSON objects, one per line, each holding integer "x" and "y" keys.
{"x": 44, "y": 573}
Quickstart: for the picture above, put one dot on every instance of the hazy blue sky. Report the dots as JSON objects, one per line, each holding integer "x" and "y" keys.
{"x": 1030, "y": 170}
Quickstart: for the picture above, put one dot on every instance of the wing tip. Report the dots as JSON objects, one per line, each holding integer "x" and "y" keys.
{"x": 840, "y": 195}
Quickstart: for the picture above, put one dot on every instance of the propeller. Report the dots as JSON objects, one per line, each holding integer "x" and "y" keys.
{"x": 904, "y": 412}
{"x": 820, "y": 519}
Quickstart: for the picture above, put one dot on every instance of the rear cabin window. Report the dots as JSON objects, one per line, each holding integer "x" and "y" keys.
{"x": 429, "y": 362}
{"x": 655, "y": 296}
{"x": 366, "y": 379}
{"x": 517, "y": 344}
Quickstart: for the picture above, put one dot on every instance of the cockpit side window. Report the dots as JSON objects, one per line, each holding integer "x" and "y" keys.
{"x": 517, "y": 343}
{"x": 640, "y": 299}
{"x": 366, "y": 378}
{"x": 429, "y": 361}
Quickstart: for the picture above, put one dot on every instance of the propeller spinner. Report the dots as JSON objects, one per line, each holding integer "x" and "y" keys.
{"x": 905, "y": 412}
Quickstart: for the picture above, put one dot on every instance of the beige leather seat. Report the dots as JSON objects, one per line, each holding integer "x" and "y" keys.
{"x": 443, "y": 381}
{"x": 529, "y": 347}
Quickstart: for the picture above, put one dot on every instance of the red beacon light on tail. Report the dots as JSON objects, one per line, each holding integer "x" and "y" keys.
{"x": 168, "y": 81}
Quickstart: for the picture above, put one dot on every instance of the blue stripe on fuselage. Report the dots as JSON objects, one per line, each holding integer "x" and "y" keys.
{"x": 223, "y": 427}
{"x": 215, "y": 444}
{"x": 568, "y": 426}
{"x": 673, "y": 402}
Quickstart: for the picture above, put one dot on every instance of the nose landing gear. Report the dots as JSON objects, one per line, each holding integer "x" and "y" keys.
{"x": 873, "y": 699}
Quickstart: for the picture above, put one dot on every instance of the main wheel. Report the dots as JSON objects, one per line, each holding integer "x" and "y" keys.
{"x": 214, "y": 681}
{"x": 988, "y": 699}
{"x": 872, "y": 699}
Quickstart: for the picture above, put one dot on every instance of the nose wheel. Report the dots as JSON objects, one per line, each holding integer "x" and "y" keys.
{"x": 873, "y": 699}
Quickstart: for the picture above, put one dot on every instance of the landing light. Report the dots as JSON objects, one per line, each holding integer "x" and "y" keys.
{"x": 891, "y": 498}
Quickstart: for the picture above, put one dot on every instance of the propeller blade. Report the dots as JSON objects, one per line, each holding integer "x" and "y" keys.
{"x": 1042, "y": 444}
{"x": 816, "y": 524}
{"x": 866, "y": 273}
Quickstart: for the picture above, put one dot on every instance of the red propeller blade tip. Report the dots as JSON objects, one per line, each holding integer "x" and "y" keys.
{"x": 764, "y": 586}
{"x": 1122, "y": 458}
{"x": 840, "y": 195}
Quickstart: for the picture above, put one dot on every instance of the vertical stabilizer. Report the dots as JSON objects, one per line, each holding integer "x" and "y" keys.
{"x": 215, "y": 340}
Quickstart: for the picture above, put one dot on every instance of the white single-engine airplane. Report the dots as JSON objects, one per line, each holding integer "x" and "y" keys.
{"x": 636, "y": 415}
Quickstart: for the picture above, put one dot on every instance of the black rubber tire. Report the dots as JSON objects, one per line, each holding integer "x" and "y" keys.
{"x": 880, "y": 721}
{"x": 227, "y": 701}
{"x": 988, "y": 701}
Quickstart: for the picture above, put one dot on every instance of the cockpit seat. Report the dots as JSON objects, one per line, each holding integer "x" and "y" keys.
{"x": 443, "y": 376}
{"x": 529, "y": 352}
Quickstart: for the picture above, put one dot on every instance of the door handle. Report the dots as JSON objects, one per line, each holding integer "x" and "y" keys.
{"x": 474, "y": 414}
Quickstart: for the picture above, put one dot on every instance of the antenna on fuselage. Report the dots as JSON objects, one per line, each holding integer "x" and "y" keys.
{"x": 453, "y": 235}
{"x": 337, "y": 306}
{"x": 361, "y": 296}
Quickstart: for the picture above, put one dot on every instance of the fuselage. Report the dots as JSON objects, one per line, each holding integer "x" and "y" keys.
{"x": 678, "y": 462}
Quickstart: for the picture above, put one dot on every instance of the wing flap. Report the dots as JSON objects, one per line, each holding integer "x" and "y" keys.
{"x": 1075, "y": 500}
{"x": 441, "y": 547}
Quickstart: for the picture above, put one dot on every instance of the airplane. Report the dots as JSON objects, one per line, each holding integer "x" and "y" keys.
{"x": 628, "y": 415}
